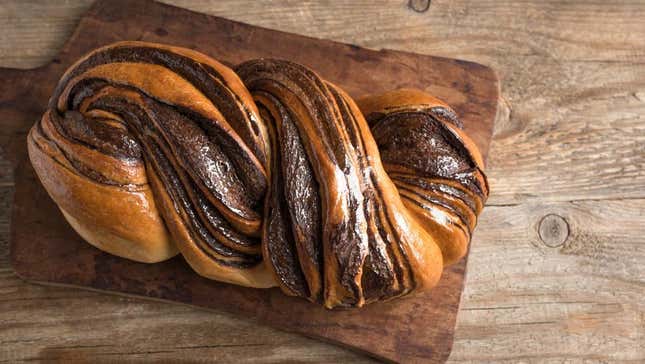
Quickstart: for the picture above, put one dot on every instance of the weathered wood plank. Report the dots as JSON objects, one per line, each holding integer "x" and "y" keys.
{"x": 6, "y": 200}
{"x": 582, "y": 299}
{"x": 47, "y": 323}
{"x": 573, "y": 74}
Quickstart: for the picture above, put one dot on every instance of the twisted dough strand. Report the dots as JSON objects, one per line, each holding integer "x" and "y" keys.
{"x": 265, "y": 176}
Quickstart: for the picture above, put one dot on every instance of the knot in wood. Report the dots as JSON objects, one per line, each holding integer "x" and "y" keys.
{"x": 553, "y": 230}
{"x": 420, "y": 6}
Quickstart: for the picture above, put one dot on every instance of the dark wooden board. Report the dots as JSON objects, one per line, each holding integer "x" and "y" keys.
{"x": 45, "y": 249}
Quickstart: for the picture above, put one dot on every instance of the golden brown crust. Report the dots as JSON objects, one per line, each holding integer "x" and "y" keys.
{"x": 122, "y": 222}
{"x": 263, "y": 176}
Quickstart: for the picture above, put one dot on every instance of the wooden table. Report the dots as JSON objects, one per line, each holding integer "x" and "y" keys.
{"x": 557, "y": 268}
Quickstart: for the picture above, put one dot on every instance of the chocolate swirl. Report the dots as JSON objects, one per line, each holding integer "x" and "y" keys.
{"x": 265, "y": 176}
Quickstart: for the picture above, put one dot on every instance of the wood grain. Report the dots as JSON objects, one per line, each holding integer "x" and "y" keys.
{"x": 573, "y": 74}
{"x": 45, "y": 249}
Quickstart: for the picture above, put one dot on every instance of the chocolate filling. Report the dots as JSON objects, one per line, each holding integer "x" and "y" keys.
{"x": 176, "y": 181}
{"x": 300, "y": 193}
{"x": 203, "y": 76}
{"x": 424, "y": 145}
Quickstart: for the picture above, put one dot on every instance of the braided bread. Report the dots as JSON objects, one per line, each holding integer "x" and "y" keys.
{"x": 264, "y": 176}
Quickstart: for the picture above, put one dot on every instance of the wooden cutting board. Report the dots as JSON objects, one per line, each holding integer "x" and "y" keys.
{"x": 45, "y": 249}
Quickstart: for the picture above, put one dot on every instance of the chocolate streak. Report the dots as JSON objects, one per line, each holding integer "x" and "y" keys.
{"x": 364, "y": 260}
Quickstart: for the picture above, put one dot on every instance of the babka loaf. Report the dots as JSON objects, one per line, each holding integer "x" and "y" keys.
{"x": 265, "y": 175}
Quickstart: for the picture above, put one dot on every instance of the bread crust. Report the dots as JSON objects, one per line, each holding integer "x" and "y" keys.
{"x": 119, "y": 221}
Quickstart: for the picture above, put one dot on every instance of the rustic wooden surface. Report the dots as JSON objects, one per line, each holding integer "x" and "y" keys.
{"x": 45, "y": 249}
{"x": 557, "y": 269}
